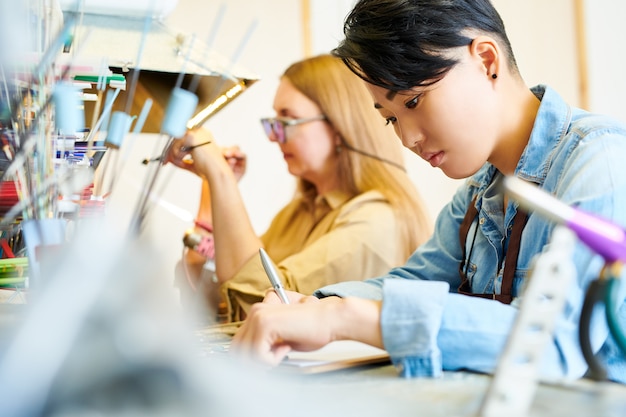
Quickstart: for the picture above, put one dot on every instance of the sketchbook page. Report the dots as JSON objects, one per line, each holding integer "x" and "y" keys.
{"x": 335, "y": 355}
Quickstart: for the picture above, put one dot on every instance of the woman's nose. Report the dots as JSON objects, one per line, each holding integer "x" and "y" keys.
{"x": 411, "y": 137}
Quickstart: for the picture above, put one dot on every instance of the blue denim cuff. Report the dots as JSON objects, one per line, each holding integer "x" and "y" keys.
{"x": 419, "y": 367}
{"x": 369, "y": 289}
{"x": 410, "y": 321}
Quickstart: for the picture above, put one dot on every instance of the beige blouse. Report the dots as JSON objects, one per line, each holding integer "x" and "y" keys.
{"x": 344, "y": 240}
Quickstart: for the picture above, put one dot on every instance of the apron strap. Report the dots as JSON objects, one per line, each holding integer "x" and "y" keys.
{"x": 510, "y": 263}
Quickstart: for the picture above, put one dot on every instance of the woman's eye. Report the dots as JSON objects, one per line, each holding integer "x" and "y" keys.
{"x": 411, "y": 104}
{"x": 391, "y": 120}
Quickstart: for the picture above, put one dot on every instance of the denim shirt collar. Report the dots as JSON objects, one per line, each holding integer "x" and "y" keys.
{"x": 551, "y": 124}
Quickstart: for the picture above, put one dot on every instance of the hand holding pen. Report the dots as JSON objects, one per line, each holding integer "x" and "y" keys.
{"x": 205, "y": 153}
{"x": 200, "y": 142}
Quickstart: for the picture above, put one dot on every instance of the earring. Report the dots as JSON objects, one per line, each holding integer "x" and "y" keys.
{"x": 494, "y": 76}
{"x": 338, "y": 149}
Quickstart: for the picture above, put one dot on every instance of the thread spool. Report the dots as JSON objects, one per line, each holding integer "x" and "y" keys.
{"x": 118, "y": 128}
{"x": 69, "y": 118}
{"x": 180, "y": 109}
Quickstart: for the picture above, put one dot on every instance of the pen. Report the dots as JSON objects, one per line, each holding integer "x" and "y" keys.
{"x": 182, "y": 149}
{"x": 273, "y": 276}
{"x": 158, "y": 158}
{"x": 189, "y": 148}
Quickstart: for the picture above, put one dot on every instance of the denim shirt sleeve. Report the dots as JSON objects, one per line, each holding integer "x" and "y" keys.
{"x": 370, "y": 289}
{"x": 410, "y": 321}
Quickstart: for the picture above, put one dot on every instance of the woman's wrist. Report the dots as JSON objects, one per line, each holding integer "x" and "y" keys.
{"x": 355, "y": 318}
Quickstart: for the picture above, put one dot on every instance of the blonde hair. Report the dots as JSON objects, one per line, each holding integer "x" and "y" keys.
{"x": 349, "y": 108}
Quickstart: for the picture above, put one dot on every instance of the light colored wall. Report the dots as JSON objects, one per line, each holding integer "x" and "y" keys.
{"x": 542, "y": 33}
{"x": 606, "y": 51}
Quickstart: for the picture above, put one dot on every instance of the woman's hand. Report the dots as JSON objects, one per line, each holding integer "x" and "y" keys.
{"x": 236, "y": 159}
{"x": 177, "y": 156}
{"x": 201, "y": 159}
{"x": 271, "y": 331}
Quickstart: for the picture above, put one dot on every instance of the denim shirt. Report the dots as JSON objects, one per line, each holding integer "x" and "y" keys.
{"x": 427, "y": 327}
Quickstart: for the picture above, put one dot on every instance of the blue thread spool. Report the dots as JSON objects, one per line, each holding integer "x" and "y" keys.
{"x": 180, "y": 108}
{"x": 118, "y": 128}
{"x": 69, "y": 117}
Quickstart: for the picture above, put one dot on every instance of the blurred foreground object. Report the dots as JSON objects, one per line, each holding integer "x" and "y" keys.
{"x": 604, "y": 238}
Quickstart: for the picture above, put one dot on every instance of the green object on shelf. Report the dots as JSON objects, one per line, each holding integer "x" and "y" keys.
{"x": 4, "y": 282}
{"x": 95, "y": 78}
{"x": 13, "y": 271}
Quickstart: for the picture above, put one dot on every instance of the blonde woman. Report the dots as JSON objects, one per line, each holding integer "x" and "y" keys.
{"x": 355, "y": 212}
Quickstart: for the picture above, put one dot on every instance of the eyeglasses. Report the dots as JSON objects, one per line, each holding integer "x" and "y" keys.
{"x": 275, "y": 126}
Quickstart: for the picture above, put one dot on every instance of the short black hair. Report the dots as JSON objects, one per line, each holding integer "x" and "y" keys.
{"x": 401, "y": 44}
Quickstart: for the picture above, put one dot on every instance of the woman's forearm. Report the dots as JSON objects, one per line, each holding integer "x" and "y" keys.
{"x": 205, "y": 212}
{"x": 235, "y": 239}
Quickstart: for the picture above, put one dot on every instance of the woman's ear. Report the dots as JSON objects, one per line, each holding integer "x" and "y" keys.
{"x": 338, "y": 142}
{"x": 337, "y": 139}
{"x": 487, "y": 53}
